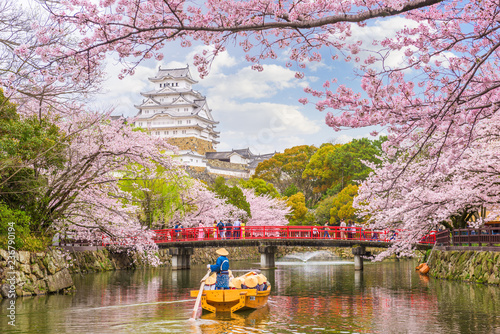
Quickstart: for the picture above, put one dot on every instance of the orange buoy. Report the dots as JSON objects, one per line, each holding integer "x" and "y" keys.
{"x": 425, "y": 269}
{"x": 419, "y": 266}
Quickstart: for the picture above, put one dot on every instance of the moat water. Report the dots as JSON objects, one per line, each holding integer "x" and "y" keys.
{"x": 316, "y": 296}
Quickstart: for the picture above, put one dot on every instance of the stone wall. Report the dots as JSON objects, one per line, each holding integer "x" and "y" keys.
{"x": 200, "y": 173}
{"x": 34, "y": 273}
{"x": 469, "y": 266}
{"x": 226, "y": 165}
{"x": 192, "y": 144}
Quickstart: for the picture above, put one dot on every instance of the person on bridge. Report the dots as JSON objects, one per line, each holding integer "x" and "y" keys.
{"x": 237, "y": 227}
{"x": 220, "y": 229}
{"x": 201, "y": 231}
{"x": 221, "y": 267}
{"x": 326, "y": 234}
{"x": 229, "y": 229}
{"x": 342, "y": 229}
{"x": 177, "y": 230}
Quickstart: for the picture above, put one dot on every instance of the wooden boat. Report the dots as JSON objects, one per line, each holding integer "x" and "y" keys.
{"x": 232, "y": 300}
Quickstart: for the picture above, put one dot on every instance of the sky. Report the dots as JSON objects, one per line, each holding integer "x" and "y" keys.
{"x": 256, "y": 110}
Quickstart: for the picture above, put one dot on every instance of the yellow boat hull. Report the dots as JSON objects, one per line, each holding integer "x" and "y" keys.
{"x": 232, "y": 300}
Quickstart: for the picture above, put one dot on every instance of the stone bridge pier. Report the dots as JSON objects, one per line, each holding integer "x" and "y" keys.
{"x": 181, "y": 257}
{"x": 358, "y": 253}
{"x": 267, "y": 256}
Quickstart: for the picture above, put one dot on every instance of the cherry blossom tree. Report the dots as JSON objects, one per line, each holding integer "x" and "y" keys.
{"x": 423, "y": 200}
{"x": 81, "y": 198}
{"x": 266, "y": 210}
{"x": 436, "y": 103}
{"x": 25, "y": 75}
{"x": 206, "y": 206}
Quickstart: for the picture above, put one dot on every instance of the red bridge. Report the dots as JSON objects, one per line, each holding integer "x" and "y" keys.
{"x": 182, "y": 241}
{"x": 279, "y": 233}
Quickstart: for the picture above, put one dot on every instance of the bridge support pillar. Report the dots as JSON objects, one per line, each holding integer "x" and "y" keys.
{"x": 267, "y": 256}
{"x": 181, "y": 257}
{"x": 358, "y": 252}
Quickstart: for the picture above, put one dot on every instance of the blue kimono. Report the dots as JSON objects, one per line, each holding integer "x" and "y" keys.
{"x": 221, "y": 267}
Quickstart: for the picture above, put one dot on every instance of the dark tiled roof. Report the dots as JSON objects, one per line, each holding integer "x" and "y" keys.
{"x": 245, "y": 152}
{"x": 174, "y": 72}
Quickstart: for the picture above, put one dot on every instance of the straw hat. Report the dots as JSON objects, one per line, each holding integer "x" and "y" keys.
{"x": 251, "y": 281}
{"x": 211, "y": 279}
{"x": 261, "y": 279}
{"x": 236, "y": 282}
{"x": 222, "y": 252}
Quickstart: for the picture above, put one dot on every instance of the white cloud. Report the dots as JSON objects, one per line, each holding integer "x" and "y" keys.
{"x": 250, "y": 84}
{"x": 273, "y": 117}
{"x": 122, "y": 95}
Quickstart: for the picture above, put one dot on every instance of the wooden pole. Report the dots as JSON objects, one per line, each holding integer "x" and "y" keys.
{"x": 198, "y": 299}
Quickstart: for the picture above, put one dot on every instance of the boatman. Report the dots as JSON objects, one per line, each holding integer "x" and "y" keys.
{"x": 221, "y": 267}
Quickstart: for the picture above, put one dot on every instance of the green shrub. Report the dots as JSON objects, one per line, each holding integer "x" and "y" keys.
{"x": 33, "y": 243}
{"x": 14, "y": 224}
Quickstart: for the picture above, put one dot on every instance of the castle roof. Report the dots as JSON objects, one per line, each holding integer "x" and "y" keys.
{"x": 174, "y": 73}
{"x": 245, "y": 153}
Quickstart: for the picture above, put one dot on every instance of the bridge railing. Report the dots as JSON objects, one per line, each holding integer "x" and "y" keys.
{"x": 279, "y": 232}
{"x": 486, "y": 236}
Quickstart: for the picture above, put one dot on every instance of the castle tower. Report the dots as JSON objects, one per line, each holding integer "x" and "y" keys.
{"x": 175, "y": 111}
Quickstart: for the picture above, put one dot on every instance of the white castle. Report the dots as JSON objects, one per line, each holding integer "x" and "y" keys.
{"x": 173, "y": 110}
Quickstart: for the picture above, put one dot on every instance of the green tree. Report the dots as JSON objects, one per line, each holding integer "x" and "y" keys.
{"x": 348, "y": 159}
{"x": 233, "y": 195}
{"x": 158, "y": 193}
{"x": 291, "y": 190}
{"x": 333, "y": 167}
{"x": 322, "y": 210}
{"x": 299, "y": 210}
{"x": 319, "y": 170}
{"x": 260, "y": 187}
{"x": 29, "y": 147}
{"x": 342, "y": 205}
{"x": 286, "y": 168}
{"x": 15, "y": 223}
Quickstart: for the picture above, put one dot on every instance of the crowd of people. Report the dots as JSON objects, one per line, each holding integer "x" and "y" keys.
{"x": 225, "y": 229}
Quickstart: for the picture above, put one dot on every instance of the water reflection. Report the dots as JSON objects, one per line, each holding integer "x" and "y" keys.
{"x": 310, "y": 297}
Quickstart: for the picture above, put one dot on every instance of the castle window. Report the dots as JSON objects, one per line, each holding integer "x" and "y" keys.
{"x": 179, "y": 122}
{"x": 188, "y": 121}
{"x": 174, "y": 132}
{"x": 184, "y": 132}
